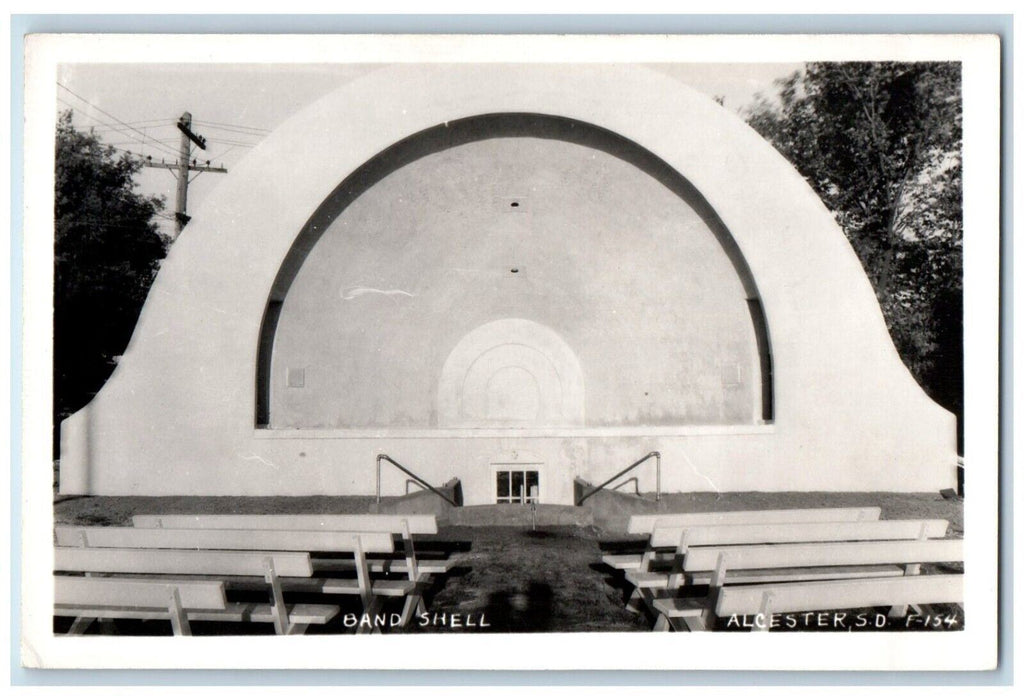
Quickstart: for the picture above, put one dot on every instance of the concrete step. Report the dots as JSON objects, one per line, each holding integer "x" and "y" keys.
{"x": 514, "y": 514}
{"x": 610, "y": 510}
{"x": 420, "y": 502}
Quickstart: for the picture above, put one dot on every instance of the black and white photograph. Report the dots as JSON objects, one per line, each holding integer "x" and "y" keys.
{"x": 547, "y": 351}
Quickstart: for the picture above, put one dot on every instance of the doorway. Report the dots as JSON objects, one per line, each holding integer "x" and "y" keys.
{"x": 516, "y": 484}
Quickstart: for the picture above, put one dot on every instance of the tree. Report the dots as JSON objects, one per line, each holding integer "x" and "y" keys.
{"x": 881, "y": 145}
{"x": 107, "y": 250}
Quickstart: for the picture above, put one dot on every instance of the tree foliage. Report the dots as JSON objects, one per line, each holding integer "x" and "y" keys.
{"x": 107, "y": 250}
{"x": 881, "y": 145}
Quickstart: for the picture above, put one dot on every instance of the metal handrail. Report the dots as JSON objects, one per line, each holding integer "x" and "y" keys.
{"x": 634, "y": 465}
{"x": 631, "y": 480}
{"x": 418, "y": 480}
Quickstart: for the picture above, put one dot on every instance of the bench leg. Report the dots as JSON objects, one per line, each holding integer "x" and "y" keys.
{"x": 80, "y": 625}
{"x": 282, "y": 625}
{"x": 413, "y": 604}
{"x": 662, "y": 624}
{"x": 901, "y": 610}
{"x": 635, "y": 599}
{"x": 765, "y": 613}
{"x": 371, "y": 610}
{"x": 414, "y": 601}
{"x": 298, "y": 628}
{"x": 179, "y": 621}
{"x": 371, "y": 603}
{"x": 695, "y": 624}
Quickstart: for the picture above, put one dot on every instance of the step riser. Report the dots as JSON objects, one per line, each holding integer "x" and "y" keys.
{"x": 521, "y": 516}
{"x": 609, "y": 510}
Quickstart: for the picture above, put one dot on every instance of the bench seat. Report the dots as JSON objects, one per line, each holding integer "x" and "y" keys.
{"x": 654, "y": 579}
{"x": 329, "y": 586}
{"x": 625, "y": 562}
{"x": 414, "y": 524}
{"x": 680, "y": 607}
{"x": 694, "y": 606}
{"x": 646, "y": 524}
{"x": 87, "y": 598}
{"x": 254, "y": 540}
{"x": 342, "y": 586}
{"x": 298, "y": 614}
{"x": 840, "y": 595}
{"x": 635, "y": 561}
{"x": 386, "y": 566}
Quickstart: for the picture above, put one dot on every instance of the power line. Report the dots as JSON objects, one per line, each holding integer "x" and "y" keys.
{"x": 156, "y": 143}
{"x": 132, "y": 142}
{"x": 104, "y": 112}
{"x": 135, "y": 140}
{"x": 182, "y": 167}
{"x": 220, "y": 155}
{"x": 153, "y": 123}
{"x": 225, "y": 125}
{"x": 134, "y": 154}
{"x": 217, "y": 142}
{"x": 147, "y": 124}
{"x": 114, "y": 131}
{"x": 237, "y": 132}
{"x": 98, "y": 123}
{"x": 139, "y": 154}
{"x": 161, "y": 146}
{"x": 230, "y": 142}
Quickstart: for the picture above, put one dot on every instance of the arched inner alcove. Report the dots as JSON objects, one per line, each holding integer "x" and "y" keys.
{"x": 511, "y": 373}
{"x": 512, "y": 217}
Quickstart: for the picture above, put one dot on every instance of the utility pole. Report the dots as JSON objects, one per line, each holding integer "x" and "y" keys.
{"x": 184, "y": 155}
{"x": 183, "y": 167}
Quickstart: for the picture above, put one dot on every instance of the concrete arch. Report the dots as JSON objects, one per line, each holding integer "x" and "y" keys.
{"x": 177, "y": 415}
{"x": 466, "y": 383}
{"x": 458, "y": 132}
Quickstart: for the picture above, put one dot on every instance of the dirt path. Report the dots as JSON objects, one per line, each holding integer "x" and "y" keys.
{"x": 521, "y": 580}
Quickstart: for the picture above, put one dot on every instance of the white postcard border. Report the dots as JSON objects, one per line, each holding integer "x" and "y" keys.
{"x": 973, "y": 648}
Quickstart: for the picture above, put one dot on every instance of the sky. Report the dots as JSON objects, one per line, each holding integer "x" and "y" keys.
{"x": 134, "y": 107}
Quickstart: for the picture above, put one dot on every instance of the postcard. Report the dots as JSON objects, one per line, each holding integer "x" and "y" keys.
{"x": 511, "y": 352}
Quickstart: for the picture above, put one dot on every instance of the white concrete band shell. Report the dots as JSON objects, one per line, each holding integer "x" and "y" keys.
{"x": 475, "y": 267}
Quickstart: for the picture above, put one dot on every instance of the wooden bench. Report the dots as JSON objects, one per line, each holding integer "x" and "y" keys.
{"x": 827, "y": 563}
{"x": 89, "y": 597}
{"x": 681, "y": 539}
{"x": 676, "y": 540}
{"x": 764, "y": 601}
{"x": 358, "y": 544}
{"x": 646, "y": 525}
{"x": 404, "y": 527}
{"x": 416, "y": 524}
